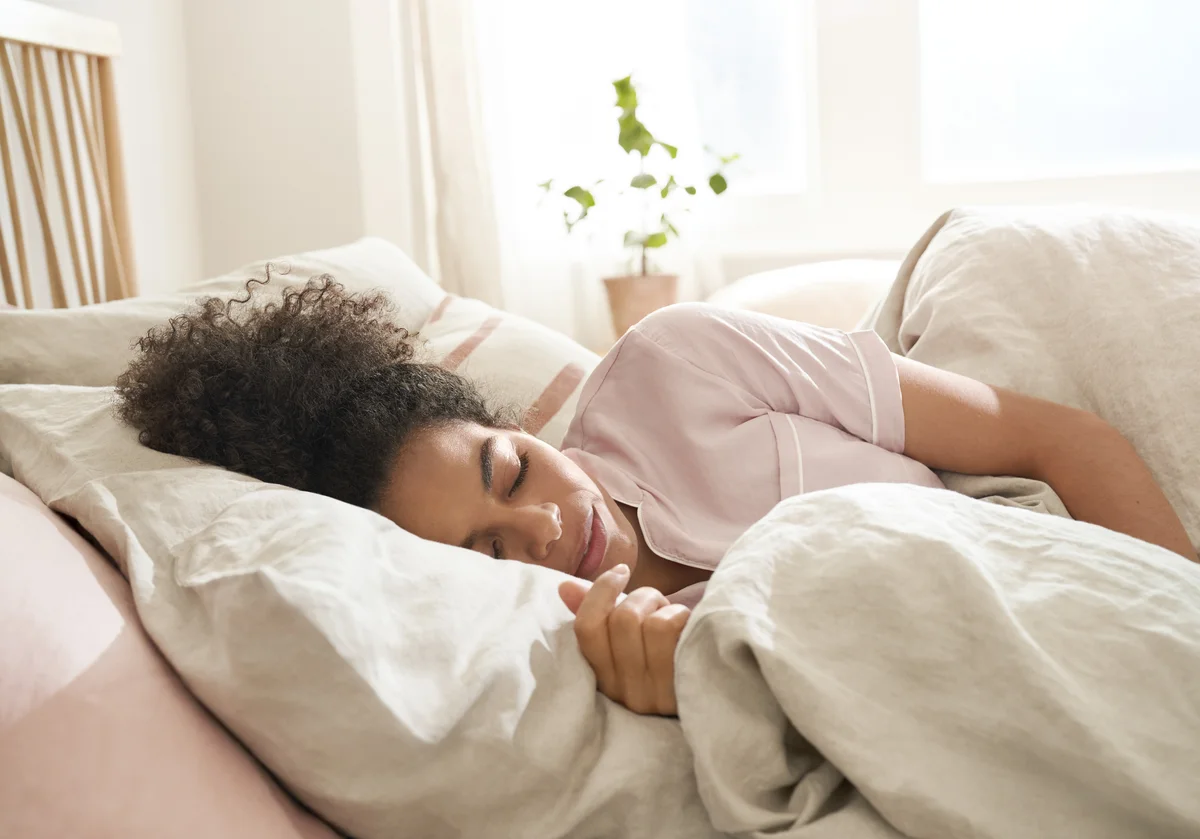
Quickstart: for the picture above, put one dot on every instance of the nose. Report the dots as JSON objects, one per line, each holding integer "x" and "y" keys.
{"x": 539, "y": 527}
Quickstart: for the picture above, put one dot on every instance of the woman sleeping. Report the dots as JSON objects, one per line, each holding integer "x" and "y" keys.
{"x": 694, "y": 425}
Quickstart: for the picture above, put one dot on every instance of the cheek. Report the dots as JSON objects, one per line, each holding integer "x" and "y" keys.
{"x": 427, "y": 509}
{"x": 556, "y": 475}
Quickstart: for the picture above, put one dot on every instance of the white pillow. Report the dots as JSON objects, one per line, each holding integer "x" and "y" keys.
{"x": 1092, "y": 308}
{"x": 835, "y": 293}
{"x": 398, "y": 687}
{"x": 91, "y": 345}
{"x": 518, "y": 363}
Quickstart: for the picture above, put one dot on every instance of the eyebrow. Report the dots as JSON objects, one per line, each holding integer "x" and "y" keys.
{"x": 485, "y": 476}
{"x": 485, "y": 462}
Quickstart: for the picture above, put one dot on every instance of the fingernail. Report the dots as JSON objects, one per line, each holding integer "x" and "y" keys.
{"x": 621, "y": 570}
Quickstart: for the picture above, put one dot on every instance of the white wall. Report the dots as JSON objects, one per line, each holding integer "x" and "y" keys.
{"x": 273, "y": 101}
{"x": 156, "y": 127}
{"x": 391, "y": 167}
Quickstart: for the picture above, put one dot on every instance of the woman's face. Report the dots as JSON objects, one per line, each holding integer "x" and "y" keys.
{"x": 508, "y": 495}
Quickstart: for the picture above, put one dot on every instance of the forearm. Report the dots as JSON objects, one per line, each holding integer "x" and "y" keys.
{"x": 961, "y": 425}
{"x": 1101, "y": 479}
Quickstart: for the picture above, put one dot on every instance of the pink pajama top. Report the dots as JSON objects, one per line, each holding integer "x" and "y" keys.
{"x": 704, "y": 418}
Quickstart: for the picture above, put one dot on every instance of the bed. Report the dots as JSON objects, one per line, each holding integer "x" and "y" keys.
{"x": 323, "y": 661}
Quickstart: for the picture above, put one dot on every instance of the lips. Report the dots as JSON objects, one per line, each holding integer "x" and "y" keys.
{"x": 594, "y": 548}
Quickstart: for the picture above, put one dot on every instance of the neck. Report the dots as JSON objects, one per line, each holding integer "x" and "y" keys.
{"x": 655, "y": 571}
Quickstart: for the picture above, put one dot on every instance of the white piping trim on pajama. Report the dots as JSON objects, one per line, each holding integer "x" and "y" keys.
{"x": 862, "y": 363}
{"x": 799, "y": 457}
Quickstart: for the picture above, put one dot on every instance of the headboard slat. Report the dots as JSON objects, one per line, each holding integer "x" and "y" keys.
{"x": 53, "y": 130}
{"x": 85, "y": 215}
{"x": 10, "y": 291}
{"x": 114, "y": 180}
{"x": 91, "y": 136}
{"x": 37, "y": 181}
{"x": 14, "y": 206}
{"x": 31, "y": 104}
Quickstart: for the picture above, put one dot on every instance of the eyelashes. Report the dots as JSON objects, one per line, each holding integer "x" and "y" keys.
{"x": 524, "y": 470}
{"x": 497, "y": 547}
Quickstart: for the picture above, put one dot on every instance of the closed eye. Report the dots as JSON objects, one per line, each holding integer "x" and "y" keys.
{"x": 524, "y": 459}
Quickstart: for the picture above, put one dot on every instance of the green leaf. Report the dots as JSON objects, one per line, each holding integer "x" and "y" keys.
{"x": 633, "y": 136}
{"x": 585, "y": 198}
{"x": 668, "y": 186}
{"x": 643, "y": 181}
{"x": 726, "y": 159}
{"x": 626, "y": 95}
{"x": 633, "y": 239}
{"x": 655, "y": 240}
{"x": 547, "y": 185}
{"x": 666, "y": 222}
{"x": 690, "y": 190}
{"x": 717, "y": 183}
{"x": 671, "y": 150}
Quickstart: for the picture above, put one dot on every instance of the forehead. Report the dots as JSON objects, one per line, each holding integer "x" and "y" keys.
{"x": 434, "y": 485}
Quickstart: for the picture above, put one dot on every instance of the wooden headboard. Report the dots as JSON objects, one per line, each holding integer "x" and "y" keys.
{"x": 64, "y": 235}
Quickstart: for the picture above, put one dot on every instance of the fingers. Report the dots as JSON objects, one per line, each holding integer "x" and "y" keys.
{"x": 625, "y": 631}
{"x": 573, "y": 592}
{"x": 630, "y": 644}
{"x": 661, "y": 637}
{"x": 591, "y": 626}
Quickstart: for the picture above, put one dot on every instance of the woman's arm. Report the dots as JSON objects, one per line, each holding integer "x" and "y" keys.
{"x": 955, "y": 423}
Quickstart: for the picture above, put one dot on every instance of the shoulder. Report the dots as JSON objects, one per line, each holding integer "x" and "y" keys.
{"x": 662, "y": 354}
{"x": 682, "y": 323}
{"x": 722, "y": 340}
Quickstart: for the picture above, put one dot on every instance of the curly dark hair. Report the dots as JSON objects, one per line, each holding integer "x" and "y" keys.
{"x": 316, "y": 390}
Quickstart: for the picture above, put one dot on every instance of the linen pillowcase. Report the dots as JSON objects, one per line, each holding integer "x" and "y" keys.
{"x": 836, "y": 293}
{"x": 397, "y": 687}
{"x": 91, "y": 345}
{"x": 518, "y": 363}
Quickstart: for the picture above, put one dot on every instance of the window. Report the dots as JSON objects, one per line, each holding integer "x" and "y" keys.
{"x": 1031, "y": 89}
{"x": 709, "y": 73}
{"x": 747, "y": 67}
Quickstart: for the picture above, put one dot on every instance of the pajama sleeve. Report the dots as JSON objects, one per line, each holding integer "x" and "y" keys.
{"x": 844, "y": 379}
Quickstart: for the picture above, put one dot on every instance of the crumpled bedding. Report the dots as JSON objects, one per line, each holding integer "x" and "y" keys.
{"x": 883, "y": 661}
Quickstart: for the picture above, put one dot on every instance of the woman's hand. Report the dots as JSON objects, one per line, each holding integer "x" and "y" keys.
{"x": 631, "y": 644}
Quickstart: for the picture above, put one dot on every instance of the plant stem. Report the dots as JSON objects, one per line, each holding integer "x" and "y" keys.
{"x": 642, "y": 171}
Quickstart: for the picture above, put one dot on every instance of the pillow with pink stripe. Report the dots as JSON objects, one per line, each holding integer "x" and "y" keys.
{"x": 514, "y": 361}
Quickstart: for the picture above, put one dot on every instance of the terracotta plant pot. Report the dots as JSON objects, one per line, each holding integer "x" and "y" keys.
{"x": 632, "y": 297}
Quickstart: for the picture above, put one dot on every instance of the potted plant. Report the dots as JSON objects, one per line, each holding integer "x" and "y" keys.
{"x": 642, "y": 289}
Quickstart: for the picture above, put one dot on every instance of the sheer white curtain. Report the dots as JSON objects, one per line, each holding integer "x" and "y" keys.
{"x": 455, "y": 179}
{"x": 519, "y": 92}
